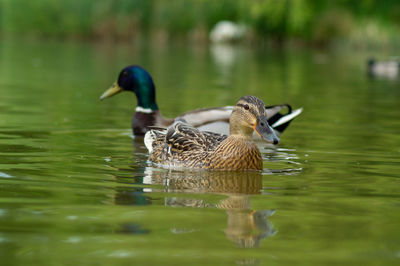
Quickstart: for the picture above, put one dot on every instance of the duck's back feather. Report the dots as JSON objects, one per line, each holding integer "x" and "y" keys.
{"x": 181, "y": 145}
{"x": 203, "y": 116}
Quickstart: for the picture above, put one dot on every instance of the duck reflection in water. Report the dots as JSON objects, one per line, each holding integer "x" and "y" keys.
{"x": 245, "y": 226}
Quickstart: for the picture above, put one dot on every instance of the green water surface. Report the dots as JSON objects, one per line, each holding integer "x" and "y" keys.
{"x": 75, "y": 188}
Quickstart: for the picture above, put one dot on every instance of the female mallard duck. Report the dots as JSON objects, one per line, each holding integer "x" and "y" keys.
{"x": 139, "y": 81}
{"x": 182, "y": 145}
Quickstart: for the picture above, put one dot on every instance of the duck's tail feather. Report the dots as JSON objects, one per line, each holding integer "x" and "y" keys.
{"x": 279, "y": 122}
{"x": 151, "y": 136}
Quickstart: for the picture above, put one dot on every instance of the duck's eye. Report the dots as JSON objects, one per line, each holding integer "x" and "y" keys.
{"x": 125, "y": 73}
{"x": 246, "y": 106}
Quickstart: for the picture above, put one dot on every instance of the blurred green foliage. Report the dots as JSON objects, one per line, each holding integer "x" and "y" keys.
{"x": 309, "y": 20}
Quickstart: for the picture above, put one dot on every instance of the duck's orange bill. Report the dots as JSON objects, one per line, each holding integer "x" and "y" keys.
{"x": 254, "y": 127}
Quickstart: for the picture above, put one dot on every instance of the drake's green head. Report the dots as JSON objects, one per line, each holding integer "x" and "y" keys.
{"x": 138, "y": 80}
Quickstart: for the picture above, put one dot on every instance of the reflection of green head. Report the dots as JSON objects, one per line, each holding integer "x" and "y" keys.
{"x": 139, "y": 81}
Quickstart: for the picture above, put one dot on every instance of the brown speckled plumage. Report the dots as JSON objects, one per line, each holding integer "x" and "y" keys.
{"x": 182, "y": 145}
{"x": 236, "y": 153}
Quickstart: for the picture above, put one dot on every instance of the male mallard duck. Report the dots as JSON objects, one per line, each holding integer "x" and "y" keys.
{"x": 388, "y": 69}
{"x": 182, "y": 145}
{"x": 138, "y": 80}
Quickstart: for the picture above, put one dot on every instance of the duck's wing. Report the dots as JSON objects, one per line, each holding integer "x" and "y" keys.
{"x": 203, "y": 116}
{"x": 213, "y": 139}
{"x": 280, "y": 121}
{"x": 181, "y": 137}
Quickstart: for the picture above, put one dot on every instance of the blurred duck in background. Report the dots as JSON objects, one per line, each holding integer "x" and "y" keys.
{"x": 386, "y": 69}
{"x": 147, "y": 114}
{"x": 227, "y": 31}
